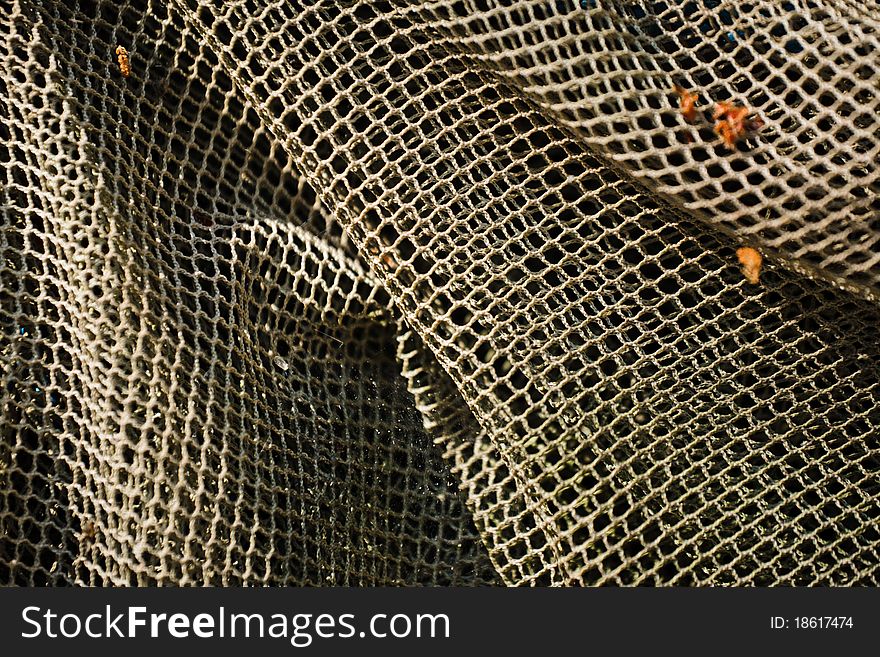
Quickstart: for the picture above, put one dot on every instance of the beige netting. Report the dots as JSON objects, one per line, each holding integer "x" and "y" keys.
{"x": 438, "y": 293}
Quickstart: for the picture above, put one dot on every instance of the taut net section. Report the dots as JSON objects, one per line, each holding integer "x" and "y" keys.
{"x": 438, "y": 293}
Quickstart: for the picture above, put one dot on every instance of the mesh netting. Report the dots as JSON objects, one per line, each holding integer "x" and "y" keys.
{"x": 438, "y": 293}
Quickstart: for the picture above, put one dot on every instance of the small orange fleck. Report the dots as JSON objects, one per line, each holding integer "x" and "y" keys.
{"x": 732, "y": 122}
{"x": 687, "y": 102}
{"x": 730, "y": 111}
{"x": 727, "y": 132}
{"x": 124, "y": 63}
{"x": 750, "y": 260}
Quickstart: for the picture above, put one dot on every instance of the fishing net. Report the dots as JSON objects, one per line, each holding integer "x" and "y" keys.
{"x": 439, "y": 293}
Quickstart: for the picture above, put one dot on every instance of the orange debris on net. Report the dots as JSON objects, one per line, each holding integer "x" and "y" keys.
{"x": 124, "y": 63}
{"x": 732, "y": 122}
{"x": 750, "y": 260}
{"x": 687, "y": 102}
